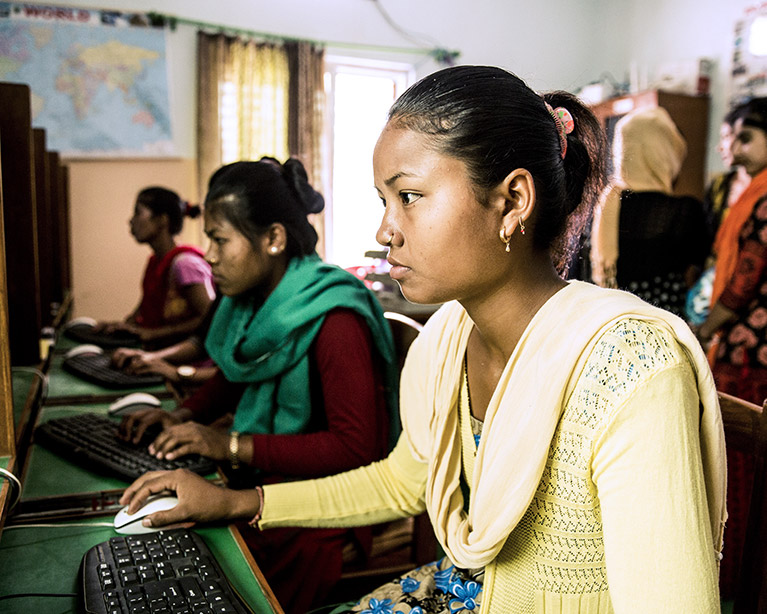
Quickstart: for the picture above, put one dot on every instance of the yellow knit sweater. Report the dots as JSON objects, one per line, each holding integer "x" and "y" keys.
{"x": 619, "y": 521}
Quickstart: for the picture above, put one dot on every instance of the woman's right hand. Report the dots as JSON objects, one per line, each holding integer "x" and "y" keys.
{"x": 134, "y": 425}
{"x": 198, "y": 499}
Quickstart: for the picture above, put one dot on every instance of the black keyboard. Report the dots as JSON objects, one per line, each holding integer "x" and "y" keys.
{"x": 172, "y": 572}
{"x": 86, "y": 333}
{"x": 97, "y": 368}
{"x": 90, "y": 440}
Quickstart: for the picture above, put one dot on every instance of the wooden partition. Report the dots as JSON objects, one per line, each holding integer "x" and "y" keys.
{"x": 20, "y": 218}
{"x": 45, "y": 226}
{"x": 59, "y": 237}
{"x": 6, "y": 389}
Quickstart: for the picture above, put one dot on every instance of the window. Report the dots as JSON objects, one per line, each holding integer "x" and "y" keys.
{"x": 359, "y": 94}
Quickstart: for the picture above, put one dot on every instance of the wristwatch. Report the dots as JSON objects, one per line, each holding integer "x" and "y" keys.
{"x": 185, "y": 372}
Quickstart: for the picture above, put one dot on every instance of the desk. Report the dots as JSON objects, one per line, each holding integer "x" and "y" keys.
{"x": 47, "y": 559}
{"x": 65, "y": 387}
{"x": 48, "y": 474}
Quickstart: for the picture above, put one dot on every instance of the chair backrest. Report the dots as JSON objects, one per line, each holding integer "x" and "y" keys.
{"x": 404, "y": 329}
{"x": 745, "y": 430}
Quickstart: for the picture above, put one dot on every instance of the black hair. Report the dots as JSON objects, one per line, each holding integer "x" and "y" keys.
{"x": 162, "y": 201}
{"x": 491, "y": 120}
{"x": 253, "y": 195}
{"x": 753, "y": 112}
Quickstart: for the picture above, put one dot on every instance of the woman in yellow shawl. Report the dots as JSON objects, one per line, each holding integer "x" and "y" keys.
{"x": 565, "y": 439}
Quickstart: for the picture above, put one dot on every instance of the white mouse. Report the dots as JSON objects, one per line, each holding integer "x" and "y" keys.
{"x": 133, "y": 401}
{"x": 131, "y": 524}
{"x": 85, "y": 348}
{"x": 81, "y": 321}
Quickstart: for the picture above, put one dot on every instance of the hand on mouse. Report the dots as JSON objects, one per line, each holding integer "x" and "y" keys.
{"x": 191, "y": 438}
{"x": 198, "y": 499}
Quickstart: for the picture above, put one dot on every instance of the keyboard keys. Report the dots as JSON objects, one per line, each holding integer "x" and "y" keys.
{"x": 191, "y": 582}
{"x": 98, "y": 368}
{"x": 90, "y": 440}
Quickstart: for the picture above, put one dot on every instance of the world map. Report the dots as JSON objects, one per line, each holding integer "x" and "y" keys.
{"x": 97, "y": 90}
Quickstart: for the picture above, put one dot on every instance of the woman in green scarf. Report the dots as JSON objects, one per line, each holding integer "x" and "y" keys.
{"x": 306, "y": 358}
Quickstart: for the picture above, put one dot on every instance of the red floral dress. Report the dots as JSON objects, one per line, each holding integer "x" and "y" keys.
{"x": 740, "y": 369}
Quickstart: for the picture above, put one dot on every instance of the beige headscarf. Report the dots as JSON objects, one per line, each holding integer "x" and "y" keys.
{"x": 648, "y": 152}
{"x": 523, "y": 413}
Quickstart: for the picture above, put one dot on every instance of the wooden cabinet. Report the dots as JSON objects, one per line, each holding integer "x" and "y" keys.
{"x": 690, "y": 114}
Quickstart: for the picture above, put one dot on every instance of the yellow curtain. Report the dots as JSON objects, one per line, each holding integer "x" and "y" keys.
{"x": 260, "y": 99}
{"x": 306, "y": 115}
{"x": 243, "y": 89}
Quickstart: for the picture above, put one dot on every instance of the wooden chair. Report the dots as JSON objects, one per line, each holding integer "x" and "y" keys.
{"x": 745, "y": 429}
{"x": 400, "y": 545}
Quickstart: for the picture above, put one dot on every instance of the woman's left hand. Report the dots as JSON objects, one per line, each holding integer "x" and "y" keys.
{"x": 191, "y": 438}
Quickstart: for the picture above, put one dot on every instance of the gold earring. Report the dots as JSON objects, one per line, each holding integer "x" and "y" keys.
{"x": 521, "y": 225}
{"x": 505, "y": 239}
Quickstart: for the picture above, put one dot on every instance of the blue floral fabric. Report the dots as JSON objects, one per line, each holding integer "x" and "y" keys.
{"x": 436, "y": 588}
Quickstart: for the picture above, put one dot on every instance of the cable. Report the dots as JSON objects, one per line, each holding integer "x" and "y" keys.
{"x": 43, "y": 378}
{"x": 439, "y": 54}
{"x": 15, "y": 484}
{"x": 63, "y": 525}
{"x": 422, "y": 40}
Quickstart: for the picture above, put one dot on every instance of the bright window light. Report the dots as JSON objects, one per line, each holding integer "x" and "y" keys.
{"x": 757, "y": 39}
{"x": 359, "y": 97}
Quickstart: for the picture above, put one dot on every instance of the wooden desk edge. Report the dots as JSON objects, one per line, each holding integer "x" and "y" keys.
{"x": 262, "y": 583}
{"x": 6, "y": 491}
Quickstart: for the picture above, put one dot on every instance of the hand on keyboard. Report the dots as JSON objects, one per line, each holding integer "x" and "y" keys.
{"x": 191, "y": 438}
{"x": 134, "y": 425}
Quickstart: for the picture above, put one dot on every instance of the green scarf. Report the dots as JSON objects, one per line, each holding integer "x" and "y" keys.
{"x": 267, "y": 347}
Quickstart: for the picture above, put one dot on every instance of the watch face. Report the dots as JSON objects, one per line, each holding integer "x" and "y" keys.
{"x": 186, "y": 371}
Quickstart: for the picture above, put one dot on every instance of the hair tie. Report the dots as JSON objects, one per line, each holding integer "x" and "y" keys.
{"x": 565, "y": 124}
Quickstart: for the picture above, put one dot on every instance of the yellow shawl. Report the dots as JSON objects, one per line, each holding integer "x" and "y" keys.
{"x": 524, "y": 412}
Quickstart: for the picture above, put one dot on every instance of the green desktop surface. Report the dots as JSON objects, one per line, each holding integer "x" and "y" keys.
{"x": 46, "y": 559}
{"x": 63, "y": 385}
{"x": 22, "y": 379}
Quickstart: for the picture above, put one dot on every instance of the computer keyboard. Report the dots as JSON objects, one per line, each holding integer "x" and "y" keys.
{"x": 97, "y": 368}
{"x": 90, "y": 440}
{"x": 86, "y": 333}
{"x": 172, "y": 572}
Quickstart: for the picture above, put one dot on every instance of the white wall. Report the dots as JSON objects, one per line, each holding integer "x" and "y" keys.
{"x": 557, "y": 44}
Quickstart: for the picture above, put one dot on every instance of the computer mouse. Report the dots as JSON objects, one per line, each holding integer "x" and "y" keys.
{"x": 126, "y": 524}
{"x": 85, "y": 348}
{"x": 133, "y": 401}
{"x": 81, "y": 321}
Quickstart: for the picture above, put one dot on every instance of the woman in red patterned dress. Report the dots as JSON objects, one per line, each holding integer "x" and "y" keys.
{"x": 736, "y": 326}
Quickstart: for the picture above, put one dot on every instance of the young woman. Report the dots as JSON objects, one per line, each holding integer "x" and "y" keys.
{"x": 306, "y": 365}
{"x": 565, "y": 439}
{"x": 736, "y": 325}
{"x": 177, "y": 289}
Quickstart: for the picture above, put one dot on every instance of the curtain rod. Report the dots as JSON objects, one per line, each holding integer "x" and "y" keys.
{"x": 443, "y": 56}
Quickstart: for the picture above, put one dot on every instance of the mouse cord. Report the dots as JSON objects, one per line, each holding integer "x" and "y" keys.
{"x": 14, "y": 484}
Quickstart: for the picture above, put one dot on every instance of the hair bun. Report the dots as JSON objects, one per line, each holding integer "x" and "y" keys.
{"x": 190, "y": 210}
{"x": 296, "y": 177}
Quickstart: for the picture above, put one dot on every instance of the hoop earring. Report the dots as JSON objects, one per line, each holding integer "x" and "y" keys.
{"x": 505, "y": 239}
